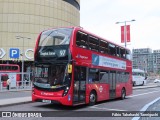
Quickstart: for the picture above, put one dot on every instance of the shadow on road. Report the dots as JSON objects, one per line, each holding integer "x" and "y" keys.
{"x": 65, "y": 108}
{"x": 61, "y": 107}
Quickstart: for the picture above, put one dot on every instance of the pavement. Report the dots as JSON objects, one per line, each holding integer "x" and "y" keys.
{"x": 15, "y": 97}
{"x": 14, "y": 101}
{"x": 149, "y": 85}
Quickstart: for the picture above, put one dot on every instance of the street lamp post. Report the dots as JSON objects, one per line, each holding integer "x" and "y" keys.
{"x": 125, "y": 30}
{"x": 21, "y": 37}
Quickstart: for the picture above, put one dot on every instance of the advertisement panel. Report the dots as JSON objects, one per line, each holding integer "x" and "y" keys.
{"x": 127, "y": 33}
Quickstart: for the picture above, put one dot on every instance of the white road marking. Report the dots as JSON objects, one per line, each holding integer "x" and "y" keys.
{"x": 106, "y": 108}
{"x": 146, "y": 107}
{"x": 96, "y": 106}
{"x": 143, "y": 94}
{"x": 146, "y": 89}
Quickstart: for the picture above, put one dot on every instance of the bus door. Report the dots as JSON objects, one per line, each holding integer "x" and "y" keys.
{"x": 112, "y": 82}
{"x": 79, "y": 85}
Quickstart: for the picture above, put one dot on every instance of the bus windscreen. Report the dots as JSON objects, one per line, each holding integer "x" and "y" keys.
{"x": 55, "y": 37}
{"x": 50, "y": 77}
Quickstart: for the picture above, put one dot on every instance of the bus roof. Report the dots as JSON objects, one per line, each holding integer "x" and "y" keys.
{"x": 81, "y": 28}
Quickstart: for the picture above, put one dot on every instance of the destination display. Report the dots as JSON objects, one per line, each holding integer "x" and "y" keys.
{"x": 53, "y": 52}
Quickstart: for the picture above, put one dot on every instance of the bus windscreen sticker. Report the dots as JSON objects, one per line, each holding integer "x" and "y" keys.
{"x": 108, "y": 62}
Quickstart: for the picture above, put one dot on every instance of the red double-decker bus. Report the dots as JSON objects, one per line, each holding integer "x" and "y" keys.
{"x": 9, "y": 69}
{"x": 73, "y": 67}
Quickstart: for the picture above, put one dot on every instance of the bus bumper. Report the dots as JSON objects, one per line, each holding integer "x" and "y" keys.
{"x": 64, "y": 100}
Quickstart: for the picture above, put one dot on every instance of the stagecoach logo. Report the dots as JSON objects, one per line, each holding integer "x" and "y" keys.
{"x": 45, "y": 93}
{"x": 81, "y": 56}
{"x": 100, "y": 88}
{"x": 62, "y": 52}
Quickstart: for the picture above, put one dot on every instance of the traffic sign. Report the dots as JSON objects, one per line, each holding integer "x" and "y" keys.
{"x": 14, "y": 53}
{"x": 2, "y": 52}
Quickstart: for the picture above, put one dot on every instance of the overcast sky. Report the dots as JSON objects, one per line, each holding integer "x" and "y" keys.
{"x": 100, "y": 16}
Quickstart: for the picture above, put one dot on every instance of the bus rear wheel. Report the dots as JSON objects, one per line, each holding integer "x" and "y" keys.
{"x": 123, "y": 94}
{"x": 92, "y": 98}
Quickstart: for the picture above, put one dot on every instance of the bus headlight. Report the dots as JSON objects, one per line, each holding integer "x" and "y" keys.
{"x": 66, "y": 91}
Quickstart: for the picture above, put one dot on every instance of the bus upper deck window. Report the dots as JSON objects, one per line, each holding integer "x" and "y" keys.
{"x": 81, "y": 39}
{"x": 128, "y": 55}
{"x": 112, "y": 49}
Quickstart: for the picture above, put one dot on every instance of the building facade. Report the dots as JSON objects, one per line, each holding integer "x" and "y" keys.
{"x": 141, "y": 59}
{"x": 22, "y": 20}
{"x": 146, "y": 59}
{"x": 156, "y": 61}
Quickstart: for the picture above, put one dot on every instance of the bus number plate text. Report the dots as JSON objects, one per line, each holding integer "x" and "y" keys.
{"x": 46, "y": 101}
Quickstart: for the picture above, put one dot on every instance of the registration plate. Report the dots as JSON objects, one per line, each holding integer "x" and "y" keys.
{"x": 46, "y": 101}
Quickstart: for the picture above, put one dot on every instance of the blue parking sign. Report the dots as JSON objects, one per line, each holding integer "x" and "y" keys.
{"x": 14, "y": 53}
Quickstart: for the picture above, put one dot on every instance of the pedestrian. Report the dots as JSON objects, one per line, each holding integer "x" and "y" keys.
{"x": 8, "y": 83}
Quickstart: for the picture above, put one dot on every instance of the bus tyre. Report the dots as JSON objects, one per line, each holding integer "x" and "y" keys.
{"x": 123, "y": 94}
{"x": 92, "y": 98}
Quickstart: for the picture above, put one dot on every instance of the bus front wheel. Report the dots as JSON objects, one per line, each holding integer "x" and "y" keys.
{"x": 92, "y": 98}
{"x": 123, "y": 94}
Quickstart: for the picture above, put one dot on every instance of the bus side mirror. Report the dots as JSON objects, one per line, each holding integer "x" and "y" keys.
{"x": 69, "y": 68}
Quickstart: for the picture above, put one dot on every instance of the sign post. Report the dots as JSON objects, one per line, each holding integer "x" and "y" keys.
{"x": 125, "y": 32}
{"x": 21, "y": 37}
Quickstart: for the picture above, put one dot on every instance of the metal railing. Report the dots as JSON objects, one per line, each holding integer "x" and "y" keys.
{"x": 16, "y": 83}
